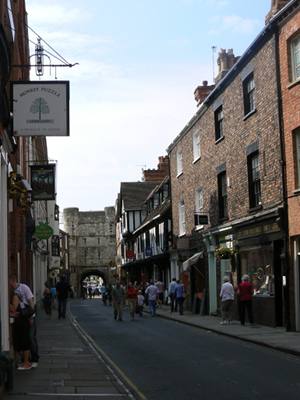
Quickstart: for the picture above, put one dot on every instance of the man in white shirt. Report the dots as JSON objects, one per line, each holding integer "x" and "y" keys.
{"x": 152, "y": 293}
{"x": 172, "y": 294}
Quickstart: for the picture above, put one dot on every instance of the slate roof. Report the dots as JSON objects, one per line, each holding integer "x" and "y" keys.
{"x": 134, "y": 194}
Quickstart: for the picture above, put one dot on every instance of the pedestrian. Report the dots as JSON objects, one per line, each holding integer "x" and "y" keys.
{"x": 53, "y": 296}
{"x": 160, "y": 287}
{"x": 140, "y": 303}
{"x": 62, "y": 289}
{"x": 152, "y": 293}
{"x": 25, "y": 295}
{"x": 172, "y": 288}
{"x": 180, "y": 295}
{"x": 103, "y": 292}
{"x": 20, "y": 334}
{"x": 245, "y": 292}
{"x": 47, "y": 300}
{"x": 118, "y": 297}
{"x": 132, "y": 299}
{"x": 227, "y": 298}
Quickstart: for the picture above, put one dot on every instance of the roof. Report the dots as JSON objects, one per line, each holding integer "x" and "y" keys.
{"x": 249, "y": 53}
{"x": 134, "y": 194}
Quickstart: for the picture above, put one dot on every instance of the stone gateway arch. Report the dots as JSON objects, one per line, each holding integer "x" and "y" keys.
{"x": 92, "y": 244}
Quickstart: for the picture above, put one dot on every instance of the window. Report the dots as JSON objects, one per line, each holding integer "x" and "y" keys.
{"x": 181, "y": 209}
{"x": 297, "y": 156}
{"x": 249, "y": 94}
{"x": 295, "y": 58}
{"x": 179, "y": 162}
{"x": 196, "y": 146}
{"x": 222, "y": 195}
{"x": 219, "y": 123}
{"x": 199, "y": 200}
{"x": 254, "y": 180}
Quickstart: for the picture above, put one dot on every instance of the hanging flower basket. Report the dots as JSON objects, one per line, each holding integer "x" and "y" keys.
{"x": 224, "y": 253}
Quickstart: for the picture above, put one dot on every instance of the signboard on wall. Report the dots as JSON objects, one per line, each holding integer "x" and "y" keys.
{"x": 43, "y": 182}
{"x": 40, "y": 108}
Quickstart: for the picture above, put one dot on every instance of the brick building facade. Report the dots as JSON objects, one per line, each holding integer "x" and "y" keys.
{"x": 227, "y": 164}
{"x": 289, "y": 44}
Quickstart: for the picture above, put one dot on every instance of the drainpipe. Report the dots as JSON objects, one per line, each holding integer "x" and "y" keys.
{"x": 284, "y": 224}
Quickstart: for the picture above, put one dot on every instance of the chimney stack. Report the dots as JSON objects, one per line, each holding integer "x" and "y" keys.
{"x": 201, "y": 92}
{"x": 276, "y": 6}
{"x": 157, "y": 175}
{"x": 225, "y": 61}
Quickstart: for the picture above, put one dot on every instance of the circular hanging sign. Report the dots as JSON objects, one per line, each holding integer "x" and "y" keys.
{"x": 43, "y": 231}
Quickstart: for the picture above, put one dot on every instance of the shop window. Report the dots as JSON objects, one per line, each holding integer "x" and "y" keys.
{"x": 297, "y": 157}
{"x": 254, "y": 180}
{"x": 295, "y": 58}
{"x": 258, "y": 264}
{"x": 222, "y": 195}
{"x": 219, "y": 123}
{"x": 249, "y": 94}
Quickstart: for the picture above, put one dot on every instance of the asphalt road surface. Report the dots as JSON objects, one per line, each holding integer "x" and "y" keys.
{"x": 168, "y": 360}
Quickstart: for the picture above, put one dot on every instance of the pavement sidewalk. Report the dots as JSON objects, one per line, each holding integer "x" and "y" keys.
{"x": 276, "y": 338}
{"x": 69, "y": 368}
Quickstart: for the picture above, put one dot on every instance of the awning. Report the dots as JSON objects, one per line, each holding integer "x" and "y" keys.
{"x": 192, "y": 260}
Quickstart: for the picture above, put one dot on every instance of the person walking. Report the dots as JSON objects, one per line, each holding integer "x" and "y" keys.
{"x": 20, "y": 334}
{"x": 180, "y": 295}
{"x": 140, "y": 303}
{"x": 152, "y": 293}
{"x": 118, "y": 297}
{"x": 47, "y": 299}
{"x": 227, "y": 298}
{"x": 62, "y": 291}
{"x": 25, "y": 296}
{"x": 172, "y": 288}
{"x": 160, "y": 287}
{"x": 245, "y": 292}
{"x": 132, "y": 299}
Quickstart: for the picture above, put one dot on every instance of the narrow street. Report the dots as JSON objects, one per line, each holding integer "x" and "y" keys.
{"x": 168, "y": 360}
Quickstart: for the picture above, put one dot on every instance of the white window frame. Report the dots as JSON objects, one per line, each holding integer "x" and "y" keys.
{"x": 199, "y": 200}
{"x": 297, "y": 158}
{"x": 295, "y": 49}
{"x": 181, "y": 217}
{"x": 179, "y": 163}
{"x": 196, "y": 146}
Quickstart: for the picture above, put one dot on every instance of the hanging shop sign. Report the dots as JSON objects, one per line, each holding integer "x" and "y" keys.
{"x": 43, "y": 231}
{"x": 40, "y": 108}
{"x": 43, "y": 182}
{"x": 55, "y": 246}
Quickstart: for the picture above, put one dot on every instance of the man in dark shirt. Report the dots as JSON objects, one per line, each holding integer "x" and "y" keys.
{"x": 62, "y": 291}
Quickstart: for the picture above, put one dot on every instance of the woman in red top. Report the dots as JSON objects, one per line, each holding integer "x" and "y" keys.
{"x": 245, "y": 292}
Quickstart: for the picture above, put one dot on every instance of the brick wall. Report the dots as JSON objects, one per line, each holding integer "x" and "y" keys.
{"x": 262, "y": 126}
{"x": 291, "y": 119}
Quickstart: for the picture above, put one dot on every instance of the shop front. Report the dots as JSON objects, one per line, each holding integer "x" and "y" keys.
{"x": 261, "y": 255}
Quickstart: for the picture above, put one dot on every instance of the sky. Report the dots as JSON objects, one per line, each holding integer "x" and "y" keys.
{"x": 132, "y": 92}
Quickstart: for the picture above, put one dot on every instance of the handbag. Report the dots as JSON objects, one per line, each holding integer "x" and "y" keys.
{"x": 27, "y": 311}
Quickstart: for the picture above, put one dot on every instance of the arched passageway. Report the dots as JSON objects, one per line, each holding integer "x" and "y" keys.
{"x": 90, "y": 282}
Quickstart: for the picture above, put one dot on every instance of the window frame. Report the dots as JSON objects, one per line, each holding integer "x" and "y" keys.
{"x": 181, "y": 218}
{"x": 294, "y": 76}
{"x": 219, "y": 123}
{"x": 222, "y": 196}
{"x": 253, "y": 181}
{"x": 249, "y": 94}
{"x": 179, "y": 162}
{"x": 196, "y": 146}
{"x": 296, "y": 145}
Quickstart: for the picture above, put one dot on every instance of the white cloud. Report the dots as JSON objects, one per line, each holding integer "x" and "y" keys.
{"x": 55, "y": 14}
{"x": 234, "y": 23}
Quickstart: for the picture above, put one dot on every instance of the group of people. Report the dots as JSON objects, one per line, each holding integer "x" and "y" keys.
{"x": 57, "y": 293}
{"x": 244, "y": 292}
{"x": 148, "y": 293}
